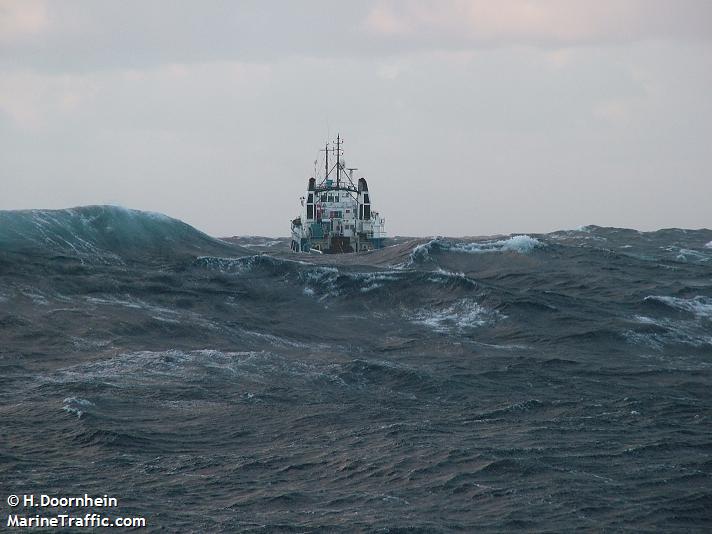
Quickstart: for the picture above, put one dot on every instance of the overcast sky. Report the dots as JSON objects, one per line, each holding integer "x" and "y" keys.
{"x": 467, "y": 117}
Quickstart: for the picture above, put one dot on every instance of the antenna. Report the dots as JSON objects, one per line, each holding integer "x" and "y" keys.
{"x": 326, "y": 162}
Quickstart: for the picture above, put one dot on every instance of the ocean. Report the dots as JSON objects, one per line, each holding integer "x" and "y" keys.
{"x": 538, "y": 382}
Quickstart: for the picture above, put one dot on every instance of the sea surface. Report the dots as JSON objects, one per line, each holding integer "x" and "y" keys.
{"x": 551, "y": 382}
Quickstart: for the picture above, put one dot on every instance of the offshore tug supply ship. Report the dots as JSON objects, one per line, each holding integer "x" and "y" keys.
{"x": 336, "y": 214}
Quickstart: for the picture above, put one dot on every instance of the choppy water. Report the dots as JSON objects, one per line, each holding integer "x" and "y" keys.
{"x": 543, "y": 382}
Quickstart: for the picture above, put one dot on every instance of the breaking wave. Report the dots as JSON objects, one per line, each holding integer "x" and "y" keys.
{"x": 521, "y": 244}
{"x": 456, "y": 317}
{"x": 76, "y": 406}
{"x": 699, "y": 305}
{"x": 101, "y": 233}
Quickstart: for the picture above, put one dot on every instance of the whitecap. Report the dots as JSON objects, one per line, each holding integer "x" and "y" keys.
{"x": 372, "y": 281}
{"x": 36, "y": 297}
{"x": 521, "y": 244}
{"x": 693, "y": 332}
{"x": 76, "y": 406}
{"x": 320, "y": 279}
{"x": 442, "y": 276}
{"x": 699, "y": 305}
{"x": 683, "y": 254}
{"x": 421, "y": 253}
{"x": 458, "y": 316}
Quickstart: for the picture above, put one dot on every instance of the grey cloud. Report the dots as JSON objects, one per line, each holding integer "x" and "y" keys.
{"x": 214, "y": 112}
{"x": 84, "y": 35}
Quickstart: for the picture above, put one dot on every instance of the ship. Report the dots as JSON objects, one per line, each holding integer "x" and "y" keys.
{"x": 336, "y": 213}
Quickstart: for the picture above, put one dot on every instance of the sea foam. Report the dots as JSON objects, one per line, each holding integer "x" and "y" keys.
{"x": 699, "y": 305}
{"x": 456, "y": 317}
{"x": 76, "y": 406}
{"x": 520, "y": 244}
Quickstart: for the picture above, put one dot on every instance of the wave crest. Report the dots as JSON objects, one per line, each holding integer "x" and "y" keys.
{"x": 103, "y": 234}
{"x": 520, "y": 244}
{"x": 699, "y": 306}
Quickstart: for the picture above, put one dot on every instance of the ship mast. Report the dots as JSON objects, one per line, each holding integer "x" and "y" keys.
{"x": 336, "y": 149}
{"x": 326, "y": 162}
{"x": 338, "y": 159}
